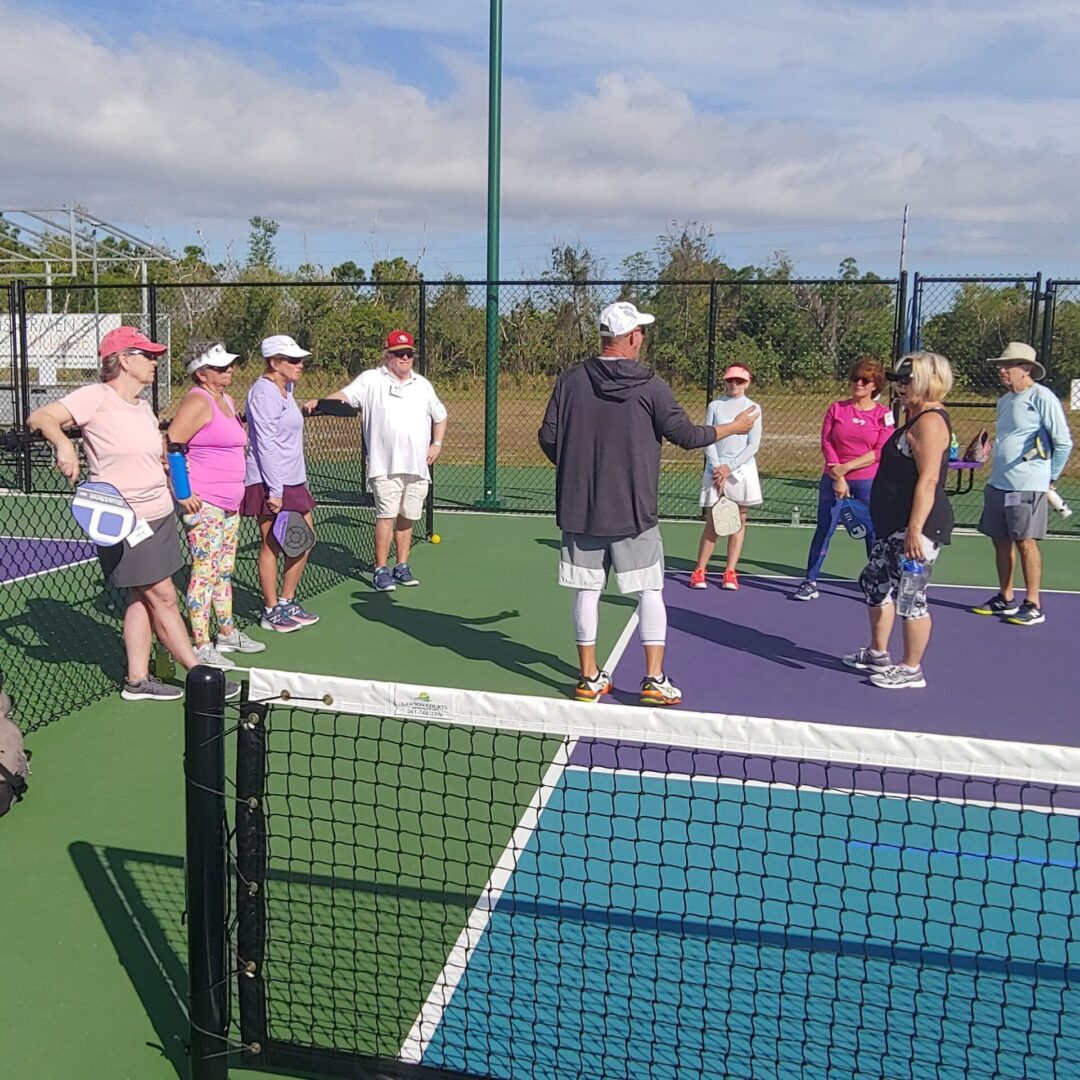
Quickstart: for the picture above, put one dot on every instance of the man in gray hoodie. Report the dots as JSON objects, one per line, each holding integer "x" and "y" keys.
{"x": 602, "y": 431}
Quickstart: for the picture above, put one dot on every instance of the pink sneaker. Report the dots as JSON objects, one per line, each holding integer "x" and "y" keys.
{"x": 697, "y": 580}
{"x": 731, "y": 580}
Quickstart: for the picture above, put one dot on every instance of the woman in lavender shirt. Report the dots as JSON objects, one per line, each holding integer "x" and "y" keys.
{"x": 275, "y": 478}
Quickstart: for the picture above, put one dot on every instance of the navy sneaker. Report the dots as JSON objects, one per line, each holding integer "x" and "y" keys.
{"x": 402, "y": 575}
{"x": 383, "y": 580}
{"x": 997, "y": 605}
{"x": 806, "y": 591}
{"x": 1027, "y": 615}
{"x": 277, "y": 618}
{"x": 298, "y": 614}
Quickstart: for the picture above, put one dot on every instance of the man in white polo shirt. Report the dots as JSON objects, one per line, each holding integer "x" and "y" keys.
{"x": 404, "y": 424}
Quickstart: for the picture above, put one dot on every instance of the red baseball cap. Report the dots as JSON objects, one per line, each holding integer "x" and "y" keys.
{"x": 128, "y": 337}
{"x": 399, "y": 339}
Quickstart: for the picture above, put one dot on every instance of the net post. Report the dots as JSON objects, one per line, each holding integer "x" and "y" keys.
{"x": 204, "y": 771}
{"x": 251, "y": 879}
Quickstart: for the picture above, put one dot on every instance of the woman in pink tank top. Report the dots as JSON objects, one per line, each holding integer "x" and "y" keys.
{"x": 207, "y": 422}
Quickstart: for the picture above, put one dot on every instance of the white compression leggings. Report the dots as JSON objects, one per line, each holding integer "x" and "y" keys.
{"x": 652, "y": 616}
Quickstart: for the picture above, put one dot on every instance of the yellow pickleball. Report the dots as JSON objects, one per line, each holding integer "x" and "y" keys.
{"x": 436, "y": 538}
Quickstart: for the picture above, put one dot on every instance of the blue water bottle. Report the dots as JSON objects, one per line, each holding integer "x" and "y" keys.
{"x": 178, "y": 473}
{"x": 914, "y": 577}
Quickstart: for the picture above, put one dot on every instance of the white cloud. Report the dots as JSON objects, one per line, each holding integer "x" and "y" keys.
{"x": 830, "y": 112}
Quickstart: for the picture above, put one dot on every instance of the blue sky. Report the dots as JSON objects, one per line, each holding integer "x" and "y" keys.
{"x": 360, "y": 126}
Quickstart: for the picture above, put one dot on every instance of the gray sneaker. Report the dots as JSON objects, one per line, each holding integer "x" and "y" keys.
{"x": 208, "y": 655}
{"x": 232, "y": 691}
{"x": 867, "y": 660}
{"x": 806, "y": 591}
{"x": 150, "y": 689}
{"x": 898, "y": 677}
{"x": 238, "y": 641}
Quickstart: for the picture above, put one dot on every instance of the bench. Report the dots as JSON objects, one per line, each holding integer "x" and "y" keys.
{"x": 965, "y": 475}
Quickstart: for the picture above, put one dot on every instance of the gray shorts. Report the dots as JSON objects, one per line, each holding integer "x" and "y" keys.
{"x": 155, "y": 559}
{"x": 1013, "y": 515}
{"x": 638, "y": 561}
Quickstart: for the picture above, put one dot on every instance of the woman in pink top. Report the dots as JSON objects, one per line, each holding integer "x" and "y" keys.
{"x": 852, "y": 435}
{"x": 207, "y": 421}
{"x": 124, "y": 448}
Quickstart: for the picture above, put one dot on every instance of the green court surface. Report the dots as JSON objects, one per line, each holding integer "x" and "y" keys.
{"x": 93, "y": 893}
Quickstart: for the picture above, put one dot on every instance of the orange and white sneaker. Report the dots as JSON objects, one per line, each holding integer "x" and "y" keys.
{"x": 731, "y": 580}
{"x": 659, "y": 690}
{"x": 697, "y": 579}
{"x": 592, "y": 689}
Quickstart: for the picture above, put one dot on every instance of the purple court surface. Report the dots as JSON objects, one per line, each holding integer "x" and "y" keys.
{"x": 756, "y": 652}
{"x": 21, "y": 558}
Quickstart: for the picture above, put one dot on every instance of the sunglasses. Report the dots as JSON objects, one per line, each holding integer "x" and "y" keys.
{"x": 900, "y": 380}
{"x": 143, "y": 353}
{"x": 737, "y": 382}
{"x": 291, "y": 359}
{"x": 407, "y": 354}
{"x": 863, "y": 382}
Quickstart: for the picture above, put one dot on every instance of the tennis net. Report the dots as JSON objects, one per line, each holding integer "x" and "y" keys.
{"x": 446, "y": 882}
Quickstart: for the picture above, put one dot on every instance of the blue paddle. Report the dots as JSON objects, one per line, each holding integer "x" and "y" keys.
{"x": 102, "y": 513}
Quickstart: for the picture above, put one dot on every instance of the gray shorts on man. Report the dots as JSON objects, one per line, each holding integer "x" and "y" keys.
{"x": 1013, "y": 515}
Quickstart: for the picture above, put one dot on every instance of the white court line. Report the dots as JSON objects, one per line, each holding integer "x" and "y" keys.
{"x": 438, "y": 999}
{"x": 669, "y": 572}
{"x": 51, "y": 570}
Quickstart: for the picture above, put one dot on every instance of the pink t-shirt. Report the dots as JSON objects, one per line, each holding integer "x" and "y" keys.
{"x": 848, "y": 432}
{"x": 215, "y": 457}
{"x": 123, "y": 447}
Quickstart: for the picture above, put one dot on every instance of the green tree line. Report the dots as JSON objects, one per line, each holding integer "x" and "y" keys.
{"x": 791, "y": 333}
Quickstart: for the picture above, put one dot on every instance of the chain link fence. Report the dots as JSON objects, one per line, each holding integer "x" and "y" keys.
{"x": 59, "y": 628}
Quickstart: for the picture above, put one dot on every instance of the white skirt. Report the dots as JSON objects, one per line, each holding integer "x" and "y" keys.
{"x": 743, "y": 486}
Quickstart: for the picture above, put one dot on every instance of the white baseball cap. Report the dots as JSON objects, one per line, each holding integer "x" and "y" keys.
{"x": 282, "y": 345}
{"x": 621, "y": 318}
{"x": 215, "y": 356}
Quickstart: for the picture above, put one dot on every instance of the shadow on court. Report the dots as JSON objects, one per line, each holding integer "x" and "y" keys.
{"x": 467, "y": 636}
{"x": 140, "y": 898}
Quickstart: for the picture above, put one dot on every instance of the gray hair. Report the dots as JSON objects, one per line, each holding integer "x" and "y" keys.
{"x": 110, "y": 366}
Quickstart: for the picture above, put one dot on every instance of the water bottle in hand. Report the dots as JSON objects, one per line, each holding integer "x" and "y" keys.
{"x": 914, "y": 577}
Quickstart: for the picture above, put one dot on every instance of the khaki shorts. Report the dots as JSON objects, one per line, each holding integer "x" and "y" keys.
{"x": 399, "y": 495}
{"x": 1013, "y": 515}
{"x": 638, "y": 561}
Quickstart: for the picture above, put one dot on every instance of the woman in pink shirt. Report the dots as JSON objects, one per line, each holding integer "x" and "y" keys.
{"x": 852, "y": 435}
{"x": 124, "y": 448}
{"x": 208, "y": 423}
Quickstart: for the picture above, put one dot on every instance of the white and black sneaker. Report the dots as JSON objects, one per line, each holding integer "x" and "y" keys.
{"x": 806, "y": 591}
{"x": 898, "y": 677}
{"x": 593, "y": 689}
{"x": 659, "y": 690}
{"x": 997, "y": 605}
{"x": 1028, "y": 614}
{"x": 867, "y": 660}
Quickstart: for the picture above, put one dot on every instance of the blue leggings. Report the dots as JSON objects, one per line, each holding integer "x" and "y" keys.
{"x": 828, "y": 517}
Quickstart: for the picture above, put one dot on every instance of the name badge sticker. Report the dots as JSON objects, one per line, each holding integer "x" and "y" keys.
{"x": 141, "y": 532}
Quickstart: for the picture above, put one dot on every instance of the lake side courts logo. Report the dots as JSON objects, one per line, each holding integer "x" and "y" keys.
{"x": 423, "y": 704}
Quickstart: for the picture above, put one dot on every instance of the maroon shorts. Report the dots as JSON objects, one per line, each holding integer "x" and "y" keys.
{"x": 293, "y": 497}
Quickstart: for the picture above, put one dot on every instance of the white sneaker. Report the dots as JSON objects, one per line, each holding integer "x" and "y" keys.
{"x": 865, "y": 659}
{"x": 899, "y": 677}
{"x": 659, "y": 690}
{"x": 208, "y": 655}
{"x": 238, "y": 641}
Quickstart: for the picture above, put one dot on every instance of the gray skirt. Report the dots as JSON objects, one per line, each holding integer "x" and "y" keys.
{"x": 158, "y": 557}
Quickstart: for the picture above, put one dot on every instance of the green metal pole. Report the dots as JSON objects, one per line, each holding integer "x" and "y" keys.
{"x": 491, "y": 351}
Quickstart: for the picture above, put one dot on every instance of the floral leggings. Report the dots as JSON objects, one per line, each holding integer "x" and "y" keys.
{"x": 212, "y": 540}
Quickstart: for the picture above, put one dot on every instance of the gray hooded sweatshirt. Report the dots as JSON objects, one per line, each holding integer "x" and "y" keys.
{"x": 602, "y": 431}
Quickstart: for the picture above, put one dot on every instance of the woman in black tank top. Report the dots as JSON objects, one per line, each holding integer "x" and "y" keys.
{"x": 912, "y": 517}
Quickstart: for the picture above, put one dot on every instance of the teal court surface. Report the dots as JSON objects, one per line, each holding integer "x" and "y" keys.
{"x": 517, "y": 888}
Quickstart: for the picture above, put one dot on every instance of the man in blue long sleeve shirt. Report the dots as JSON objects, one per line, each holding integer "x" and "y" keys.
{"x": 1031, "y": 446}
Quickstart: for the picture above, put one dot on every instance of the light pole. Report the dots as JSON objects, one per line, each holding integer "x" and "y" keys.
{"x": 491, "y": 348}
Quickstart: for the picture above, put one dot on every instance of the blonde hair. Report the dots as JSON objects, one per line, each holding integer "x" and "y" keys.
{"x": 931, "y": 375}
{"x": 110, "y": 366}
